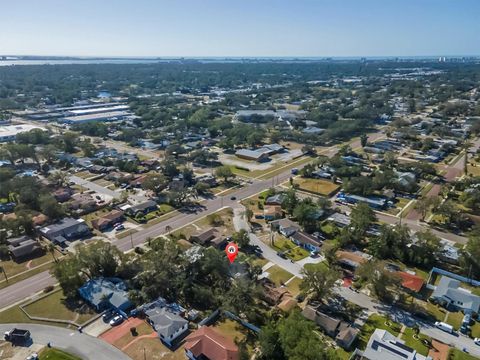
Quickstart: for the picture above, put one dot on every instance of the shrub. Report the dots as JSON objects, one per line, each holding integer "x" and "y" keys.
{"x": 48, "y": 289}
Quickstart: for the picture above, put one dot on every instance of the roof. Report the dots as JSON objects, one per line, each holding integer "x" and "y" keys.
{"x": 285, "y": 223}
{"x": 165, "y": 322}
{"x": 304, "y": 238}
{"x": 275, "y": 199}
{"x": 287, "y": 304}
{"x": 340, "y": 219}
{"x": 385, "y": 346}
{"x": 253, "y": 154}
{"x": 327, "y": 323}
{"x": 107, "y": 218}
{"x": 13, "y": 130}
{"x": 207, "y": 342}
{"x": 23, "y": 246}
{"x": 145, "y": 205}
{"x": 450, "y": 289}
{"x": 205, "y": 236}
{"x": 410, "y": 281}
{"x": 97, "y": 291}
{"x": 62, "y": 225}
{"x": 347, "y": 335}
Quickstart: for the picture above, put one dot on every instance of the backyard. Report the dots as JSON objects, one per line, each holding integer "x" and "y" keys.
{"x": 316, "y": 186}
{"x": 278, "y": 275}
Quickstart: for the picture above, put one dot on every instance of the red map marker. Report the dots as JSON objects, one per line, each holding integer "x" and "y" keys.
{"x": 232, "y": 251}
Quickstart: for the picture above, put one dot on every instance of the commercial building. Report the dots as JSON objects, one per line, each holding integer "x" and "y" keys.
{"x": 9, "y": 132}
{"x": 105, "y": 116}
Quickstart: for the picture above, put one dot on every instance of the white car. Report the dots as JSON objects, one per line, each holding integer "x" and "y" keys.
{"x": 476, "y": 341}
{"x": 117, "y": 320}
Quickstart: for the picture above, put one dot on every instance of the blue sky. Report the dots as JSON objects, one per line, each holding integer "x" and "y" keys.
{"x": 240, "y": 27}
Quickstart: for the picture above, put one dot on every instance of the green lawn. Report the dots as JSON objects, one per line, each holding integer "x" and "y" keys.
{"x": 294, "y": 286}
{"x": 278, "y": 275}
{"x": 292, "y": 250}
{"x": 475, "y": 329}
{"x": 455, "y": 319}
{"x": 56, "y": 306}
{"x": 376, "y": 322}
{"x": 436, "y": 311}
{"x": 456, "y": 354}
{"x": 56, "y": 354}
{"x": 416, "y": 344}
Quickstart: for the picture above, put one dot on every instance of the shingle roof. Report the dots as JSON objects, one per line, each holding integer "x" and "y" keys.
{"x": 165, "y": 322}
{"x": 207, "y": 342}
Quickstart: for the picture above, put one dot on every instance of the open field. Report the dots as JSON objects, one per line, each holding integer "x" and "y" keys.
{"x": 316, "y": 186}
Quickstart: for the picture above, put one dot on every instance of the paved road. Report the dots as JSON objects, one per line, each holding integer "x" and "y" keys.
{"x": 95, "y": 187}
{"x": 25, "y": 288}
{"x": 371, "y": 306}
{"x": 84, "y": 346}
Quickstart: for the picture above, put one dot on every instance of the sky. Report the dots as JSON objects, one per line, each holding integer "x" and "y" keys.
{"x": 271, "y": 28}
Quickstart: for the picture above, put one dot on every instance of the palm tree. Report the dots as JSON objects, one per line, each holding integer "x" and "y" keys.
{"x": 4, "y": 273}
{"x": 51, "y": 249}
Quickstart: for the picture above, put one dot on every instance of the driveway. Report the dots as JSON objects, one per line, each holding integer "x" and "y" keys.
{"x": 82, "y": 345}
{"x": 372, "y": 306}
{"x": 95, "y": 187}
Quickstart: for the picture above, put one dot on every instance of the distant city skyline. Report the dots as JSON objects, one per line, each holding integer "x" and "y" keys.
{"x": 249, "y": 28}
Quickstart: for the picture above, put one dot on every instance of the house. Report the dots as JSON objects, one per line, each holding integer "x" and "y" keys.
{"x": 62, "y": 194}
{"x": 346, "y": 336}
{"x": 108, "y": 220}
{"x": 352, "y": 259}
{"x": 206, "y": 343}
{"x": 39, "y": 220}
{"x": 341, "y": 331}
{"x": 142, "y": 208}
{"x": 287, "y": 304}
{"x": 285, "y": 226}
{"x": 272, "y": 294}
{"x": 385, "y": 346}
{"x": 339, "y": 219}
{"x": 272, "y": 212}
{"x": 106, "y": 293}
{"x": 67, "y": 229}
{"x": 276, "y": 199}
{"x": 82, "y": 202}
{"x": 307, "y": 241}
{"x": 254, "y": 155}
{"x": 411, "y": 282}
{"x": 23, "y": 247}
{"x": 168, "y": 325}
{"x": 449, "y": 294}
{"x": 374, "y": 202}
{"x": 210, "y": 236}
{"x": 119, "y": 177}
{"x": 449, "y": 252}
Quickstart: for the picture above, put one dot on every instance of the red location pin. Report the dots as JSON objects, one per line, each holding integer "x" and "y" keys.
{"x": 232, "y": 251}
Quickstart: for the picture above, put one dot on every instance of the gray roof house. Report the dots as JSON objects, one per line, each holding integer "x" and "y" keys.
{"x": 385, "y": 346}
{"x": 67, "y": 229}
{"x": 106, "y": 293}
{"x": 168, "y": 325}
{"x": 286, "y": 227}
{"x": 23, "y": 247}
{"x": 449, "y": 294}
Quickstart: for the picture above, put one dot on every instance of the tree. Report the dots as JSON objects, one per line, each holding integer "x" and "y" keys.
{"x": 59, "y": 177}
{"x": 318, "y": 282}
{"x": 305, "y": 212}
{"x": 391, "y": 243}
{"x": 2, "y": 270}
{"x": 51, "y": 249}
{"x": 470, "y": 255}
{"x": 383, "y": 283}
{"x": 361, "y": 218}
{"x": 364, "y": 140}
{"x": 155, "y": 182}
{"x": 425, "y": 250}
{"x": 224, "y": 172}
{"x": 290, "y": 201}
{"x": 50, "y": 207}
{"x": 241, "y": 238}
{"x": 270, "y": 347}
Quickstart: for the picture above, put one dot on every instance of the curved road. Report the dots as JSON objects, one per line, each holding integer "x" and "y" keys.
{"x": 85, "y": 346}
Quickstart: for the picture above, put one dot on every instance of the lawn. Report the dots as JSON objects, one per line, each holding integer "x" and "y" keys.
{"x": 153, "y": 349}
{"x": 475, "y": 329}
{"x": 294, "y": 286}
{"x": 56, "y": 354}
{"x": 455, "y": 319}
{"x": 376, "y": 322}
{"x": 13, "y": 268}
{"x": 292, "y": 251}
{"x": 278, "y": 275}
{"x": 142, "y": 329}
{"x": 416, "y": 344}
{"x": 125, "y": 233}
{"x": 233, "y": 331}
{"x": 456, "y": 354}
{"x": 316, "y": 186}
{"x": 56, "y": 306}
{"x": 436, "y": 311}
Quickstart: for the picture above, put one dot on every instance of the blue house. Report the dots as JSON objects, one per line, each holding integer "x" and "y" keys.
{"x": 106, "y": 293}
{"x": 374, "y": 202}
{"x": 306, "y": 241}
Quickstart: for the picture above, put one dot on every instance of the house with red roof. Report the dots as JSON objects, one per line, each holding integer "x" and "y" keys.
{"x": 411, "y": 282}
{"x": 206, "y": 343}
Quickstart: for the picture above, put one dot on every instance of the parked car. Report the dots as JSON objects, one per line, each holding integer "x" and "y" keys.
{"x": 444, "y": 326}
{"x": 107, "y": 315}
{"x": 117, "y": 320}
{"x": 476, "y": 341}
{"x": 282, "y": 255}
{"x": 119, "y": 227}
{"x": 233, "y": 198}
